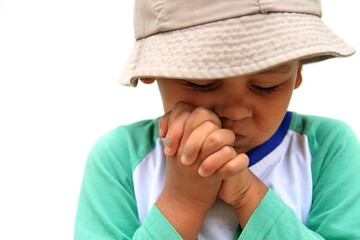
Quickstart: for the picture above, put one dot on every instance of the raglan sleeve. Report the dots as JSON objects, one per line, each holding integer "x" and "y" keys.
{"x": 107, "y": 205}
{"x": 335, "y": 211}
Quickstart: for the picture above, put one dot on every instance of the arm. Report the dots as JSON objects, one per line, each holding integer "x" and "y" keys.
{"x": 333, "y": 216}
{"x": 107, "y": 206}
{"x": 335, "y": 212}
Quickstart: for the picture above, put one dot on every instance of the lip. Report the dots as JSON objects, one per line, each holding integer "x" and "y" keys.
{"x": 241, "y": 143}
{"x": 238, "y": 137}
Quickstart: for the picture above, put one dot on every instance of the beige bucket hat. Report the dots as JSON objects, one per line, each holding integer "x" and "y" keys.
{"x": 214, "y": 39}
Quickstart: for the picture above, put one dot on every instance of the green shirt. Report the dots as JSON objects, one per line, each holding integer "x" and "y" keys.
{"x": 311, "y": 166}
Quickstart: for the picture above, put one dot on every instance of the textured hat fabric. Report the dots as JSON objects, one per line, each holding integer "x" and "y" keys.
{"x": 214, "y": 39}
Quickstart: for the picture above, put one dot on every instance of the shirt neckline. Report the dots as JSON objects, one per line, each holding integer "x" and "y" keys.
{"x": 258, "y": 153}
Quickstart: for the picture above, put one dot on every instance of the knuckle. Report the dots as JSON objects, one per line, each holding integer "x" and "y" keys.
{"x": 206, "y": 166}
{"x": 229, "y": 169}
{"x": 202, "y": 112}
{"x": 180, "y": 103}
{"x": 174, "y": 133}
{"x": 177, "y": 111}
{"x": 237, "y": 164}
{"x": 229, "y": 151}
{"x": 223, "y": 136}
{"x": 243, "y": 160}
{"x": 182, "y": 106}
{"x": 214, "y": 139}
{"x": 229, "y": 134}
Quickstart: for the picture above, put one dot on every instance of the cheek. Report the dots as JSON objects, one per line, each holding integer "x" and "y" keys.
{"x": 171, "y": 98}
{"x": 169, "y": 102}
{"x": 279, "y": 101}
{"x": 168, "y": 97}
{"x": 270, "y": 112}
{"x": 171, "y": 95}
{"x": 272, "y": 105}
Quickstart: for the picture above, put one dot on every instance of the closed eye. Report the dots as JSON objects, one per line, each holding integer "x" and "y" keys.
{"x": 206, "y": 86}
{"x": 268, "y": 90}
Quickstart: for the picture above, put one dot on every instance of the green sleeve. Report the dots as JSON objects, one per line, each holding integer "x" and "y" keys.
{"x": 156, "y": 226}
{"x": 107, "y": 205}
{"x": 273, "y": 219}
{"x": 335, "y": 211}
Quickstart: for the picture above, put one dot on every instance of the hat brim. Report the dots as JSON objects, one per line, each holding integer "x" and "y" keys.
{"x": 233, "y": 47}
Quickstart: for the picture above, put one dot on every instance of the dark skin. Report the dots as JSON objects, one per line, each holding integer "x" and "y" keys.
{"x": 205, "y": 141}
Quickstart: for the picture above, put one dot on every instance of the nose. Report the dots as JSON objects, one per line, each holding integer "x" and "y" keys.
{"x": 233, "y": 109}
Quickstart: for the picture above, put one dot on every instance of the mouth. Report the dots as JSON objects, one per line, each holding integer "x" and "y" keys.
{"x": 241, "y": 143}
{"x": 239, "y": 137}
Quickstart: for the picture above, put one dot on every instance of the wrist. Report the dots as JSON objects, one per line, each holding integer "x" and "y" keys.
{"x": 250, "y": 200}
{"x": 185, "y": 218}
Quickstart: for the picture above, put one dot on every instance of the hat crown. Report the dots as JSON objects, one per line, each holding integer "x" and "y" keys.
{"x": 154, "y": 16}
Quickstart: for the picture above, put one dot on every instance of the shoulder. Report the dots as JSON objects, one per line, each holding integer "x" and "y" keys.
{"x": 127, "y": 143}
{"x": 142, "y": 132}
{"x": 329, "y": 140}
{"x": 321, "y": 129}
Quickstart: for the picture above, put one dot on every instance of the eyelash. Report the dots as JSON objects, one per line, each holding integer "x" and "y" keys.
{"x": 268, "y": 90}
{"x": 206, "y": 87}
{"x": 213, "y": 86}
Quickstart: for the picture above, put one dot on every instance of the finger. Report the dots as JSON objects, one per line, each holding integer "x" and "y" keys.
{"x": 216, "y": 140}
{"x": 195, "y": 141}
{"x": 180, "y": 129}
{"x": 174, "y": 134}
{"x": 199, "y": 116}
{"x": 174, "y": 126}
{"x": 163, "y": 124}
{"x": 216, "y": 161}
{"x": 200, "y": 149}
{"x": 236, "y": 165}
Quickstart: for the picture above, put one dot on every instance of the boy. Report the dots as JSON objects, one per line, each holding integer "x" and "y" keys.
{"x": 226, "y": 161}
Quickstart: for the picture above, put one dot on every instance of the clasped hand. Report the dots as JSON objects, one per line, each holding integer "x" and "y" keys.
{"x": 201, "y": 162}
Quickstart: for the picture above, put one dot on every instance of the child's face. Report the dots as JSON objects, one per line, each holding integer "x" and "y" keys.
{"x": 251, "y": 106}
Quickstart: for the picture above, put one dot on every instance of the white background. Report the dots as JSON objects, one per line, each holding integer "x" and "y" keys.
{"x": 59, "y": 62}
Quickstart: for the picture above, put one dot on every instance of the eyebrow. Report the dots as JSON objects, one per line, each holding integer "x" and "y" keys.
{"x": 286, "y": 68}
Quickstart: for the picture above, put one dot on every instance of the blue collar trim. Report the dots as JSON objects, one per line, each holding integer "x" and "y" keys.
{"x": 267, "y": 147}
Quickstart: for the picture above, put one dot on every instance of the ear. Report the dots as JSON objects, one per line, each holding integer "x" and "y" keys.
{"x": 298, "y": 75}
{"x": 147, "y": 80}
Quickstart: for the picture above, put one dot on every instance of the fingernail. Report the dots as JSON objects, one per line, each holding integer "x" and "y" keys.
{"x": 167, "y": 142}
{"x": 184, "y": 160}
{"x": 201, "y": 172}
{"x": 187, "y": 155}
{"x": 167, "y": 145}
{"x": 167, "y": 151}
